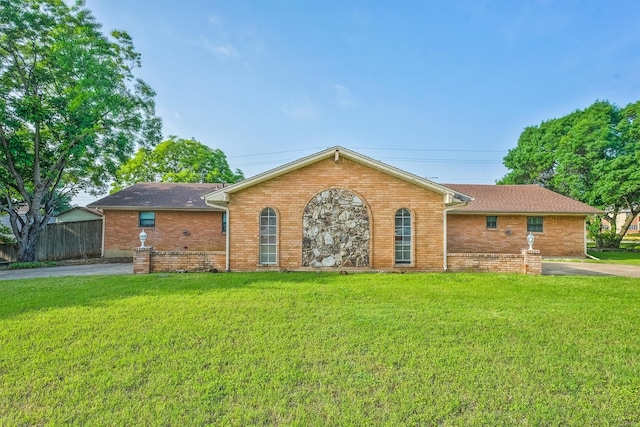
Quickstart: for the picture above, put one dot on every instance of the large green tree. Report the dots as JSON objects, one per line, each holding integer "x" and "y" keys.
{"x": 71, "y": 110}
{"x": 176, "y": 160}
{"x": 592, "y": 155}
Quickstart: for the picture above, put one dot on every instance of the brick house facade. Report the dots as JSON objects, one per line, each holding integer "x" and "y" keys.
{"x": 338, "y": 209}
{"x": 181, "y": 220}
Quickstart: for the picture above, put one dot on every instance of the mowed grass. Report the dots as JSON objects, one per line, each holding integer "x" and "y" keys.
{"x": 320, "y": 349}
{"x": 610, "y": 257}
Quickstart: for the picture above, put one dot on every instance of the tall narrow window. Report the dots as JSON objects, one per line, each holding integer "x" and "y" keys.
{"x": 268, "y": 236}
{"x": 403, "y": 236}
{"x": 534, "y": 224}
{"x": 224, "y": 222}
{"x": 146, "y": 219}
{"x": 492, "y": 222}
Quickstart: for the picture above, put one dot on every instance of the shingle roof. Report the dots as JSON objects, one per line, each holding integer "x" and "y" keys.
{"x": 158, "y": 195}
{"x": 518, "y": 199}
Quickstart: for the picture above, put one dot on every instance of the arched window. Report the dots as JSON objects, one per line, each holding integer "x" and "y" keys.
{"x": 268, "y": 236}
{"x": 403, "y": 236}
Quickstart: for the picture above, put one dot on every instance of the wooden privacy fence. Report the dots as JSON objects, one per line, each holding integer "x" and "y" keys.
{"x": 64, "y": 240}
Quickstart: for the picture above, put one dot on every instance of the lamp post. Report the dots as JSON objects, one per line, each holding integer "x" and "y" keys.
{"x": 143, "y": 238}
{"x": 530, "y": 240}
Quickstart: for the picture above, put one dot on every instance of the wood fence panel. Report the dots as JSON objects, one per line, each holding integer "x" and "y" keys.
{"x": 68, "y": 240}
{"x": 8, "y": 252}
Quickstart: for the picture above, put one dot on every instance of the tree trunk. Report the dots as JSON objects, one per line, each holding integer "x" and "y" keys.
{"x": 27, "y": 244}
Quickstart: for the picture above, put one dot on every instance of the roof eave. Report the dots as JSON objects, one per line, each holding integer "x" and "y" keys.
{"x": 502, "y": 212}
{"x": 222, "y": 195}
{"x": 155, "y": 208}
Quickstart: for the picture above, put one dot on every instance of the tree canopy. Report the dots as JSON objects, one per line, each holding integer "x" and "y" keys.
{"x": 71, "y": 110}
{"x": 176, "y": 160}
{"x": 591, "y": 155}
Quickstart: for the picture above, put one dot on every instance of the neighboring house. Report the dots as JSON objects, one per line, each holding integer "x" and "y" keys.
{"x": 79, "y": 213}
{"x": 5, "y": 220}
{"x": 173, "y": 215}
{"x": 634, "y": 227}
{"x": 340, "y": 209}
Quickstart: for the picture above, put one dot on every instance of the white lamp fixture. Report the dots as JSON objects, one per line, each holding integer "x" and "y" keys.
{"x": 530, "y": 240}
{"x": 143, "y": 238}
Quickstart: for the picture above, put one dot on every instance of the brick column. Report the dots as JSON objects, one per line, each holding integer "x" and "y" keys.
{"x": 532, "y": 262}
{"x": 142, "y": 260}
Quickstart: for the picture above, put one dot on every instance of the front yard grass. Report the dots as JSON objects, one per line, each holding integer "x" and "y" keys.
{"x": 320, "y": 349}
{"x": 614, "y": 257}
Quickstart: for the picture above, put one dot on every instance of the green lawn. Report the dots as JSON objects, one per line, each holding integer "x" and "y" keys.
{"x": 630, "y": 258}
{"x": 320, "y": 349}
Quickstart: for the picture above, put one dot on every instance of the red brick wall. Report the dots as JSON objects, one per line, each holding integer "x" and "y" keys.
{"x": 526, "y": 262}
{"x": 562, "y": 235}
{"x": 203, "y": 232}
{"x": 383, "y": 194}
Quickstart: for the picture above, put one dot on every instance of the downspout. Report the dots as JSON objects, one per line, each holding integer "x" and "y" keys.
{"x": 445, "y": 215}
{"x": 584, "y": 226}
{"x": 104, "y": 225}
{"x": 445, "y": 239}
{"x": 225, "y": 208}
{"x": 226, "y": 245}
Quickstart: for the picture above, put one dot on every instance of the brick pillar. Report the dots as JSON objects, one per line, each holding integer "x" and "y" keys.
{"x": 532, "y": 262}
{"x": 142, "y": 260}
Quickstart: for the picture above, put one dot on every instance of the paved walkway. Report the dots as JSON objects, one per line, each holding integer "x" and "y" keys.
{"x": 68, "y": 270}
{"x": 554, "y": 268}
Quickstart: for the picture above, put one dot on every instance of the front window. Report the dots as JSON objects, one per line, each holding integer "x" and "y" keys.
{"x": 492, "y": 222}
{"x": 224, "y": 222}
{"x": 403, "y": 237}
{"x": 147, "y": 219}
{"x": 268, "y": 236}
{"x": 534, "y": 224}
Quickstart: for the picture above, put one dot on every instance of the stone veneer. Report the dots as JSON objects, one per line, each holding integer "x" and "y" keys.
{"x": 335, "y": 230}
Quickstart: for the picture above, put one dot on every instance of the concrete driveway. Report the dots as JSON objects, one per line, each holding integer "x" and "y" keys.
{"x": 556, "y": 268}
{"x": 549, "y": 268}
{"x": 68, "y": 270}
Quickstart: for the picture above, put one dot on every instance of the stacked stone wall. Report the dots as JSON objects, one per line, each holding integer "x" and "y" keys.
{"x": 335, "y": 230}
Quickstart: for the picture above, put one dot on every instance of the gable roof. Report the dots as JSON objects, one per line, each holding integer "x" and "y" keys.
{"x": 518, "y": 199}
{"x": 82, "y": 209}
{"x": 158, "y": 195}
{"x": 222, "y": 194}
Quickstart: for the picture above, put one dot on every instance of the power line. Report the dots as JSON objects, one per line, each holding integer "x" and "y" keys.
{"x": 457, "y": 161}
{"x": 434, "y": 150}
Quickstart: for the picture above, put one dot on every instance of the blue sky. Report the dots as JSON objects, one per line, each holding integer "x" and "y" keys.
{"x": 441, "y": 89}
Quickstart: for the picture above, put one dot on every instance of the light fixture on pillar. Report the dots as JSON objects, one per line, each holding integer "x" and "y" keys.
{"x": 530, "y": 240}
{"x": 143, "y": 238}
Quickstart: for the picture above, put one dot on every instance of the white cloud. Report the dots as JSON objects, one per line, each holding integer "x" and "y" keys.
{"x": 305, "y": 111}
{"x": 222, "y": 49}
{"x": 342, "y": 97}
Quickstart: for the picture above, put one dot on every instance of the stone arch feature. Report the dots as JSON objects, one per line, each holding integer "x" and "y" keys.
{"x": 335, "y": 230}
